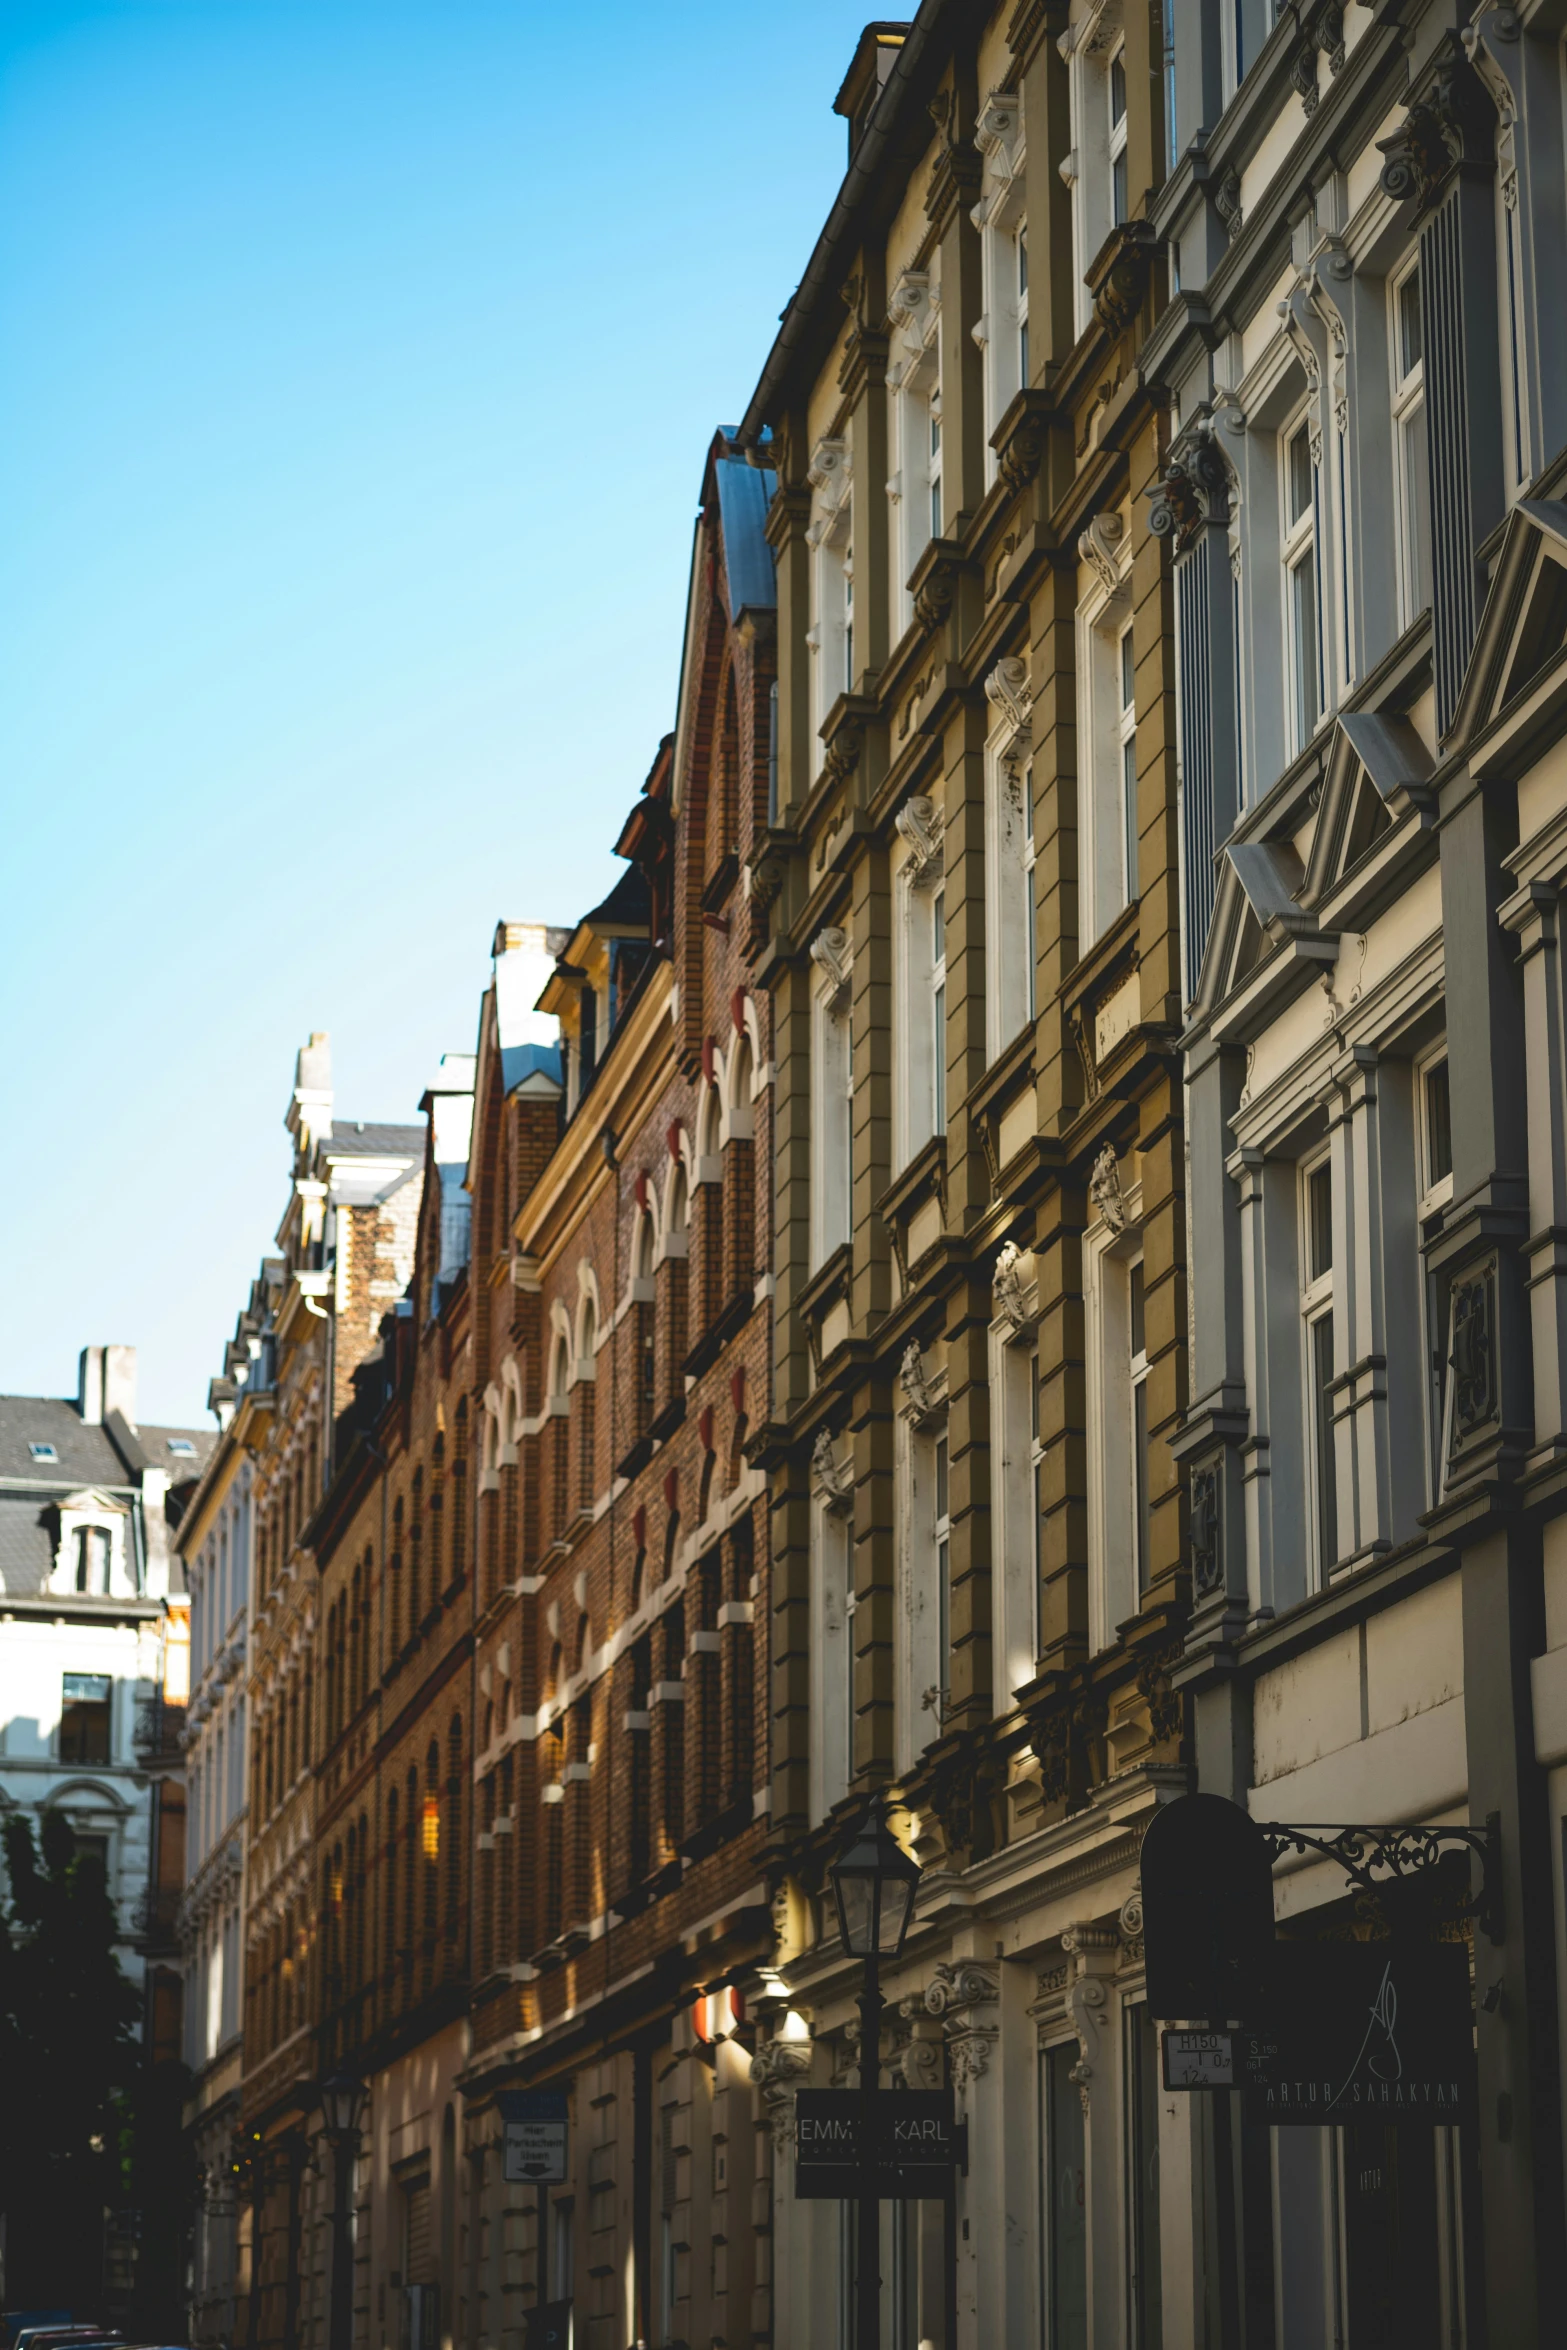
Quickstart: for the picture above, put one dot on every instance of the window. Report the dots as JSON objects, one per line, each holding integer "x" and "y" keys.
{"x": 94, "y": 1559}
{"x": 1116, "y": 91}
{"x": 1065, "y": 2200}
{"x": 943, "y": 1506}
{"x": 832, "y": 1086}
{"x": 182, "y": 1448}
{"x": 830, "y": 637}
{"x": 1036, "y": 1461}
{"x": 933, "y": 460}
{"x": 1145, "y": 2330}
{"x": 938, "y": 1007}
{"x": 1020, "y": 264}
{"x": 1411, "y": 461}
{"x": 1030, "y": 910}
{"x": 1126, "y": 744}
{"x": 1139, "y": 1383}
{"x": 1317, "y": 1313}
{"x": 1009, "y": 883}
{"x": 1017, "y": 1459}
{"x": 1436, "y": 1135}
{"x": 85, "y": 1717}
{"x": 914, "y": 384}
{"x": 42, "y": 1452}
{"x": 846, "y": 681}
{"x": 1302, "y": 633}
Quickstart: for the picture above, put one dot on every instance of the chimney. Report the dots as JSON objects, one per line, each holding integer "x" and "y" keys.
{"x": 106, "y": 1382}
{"x": 309, "y": 1117}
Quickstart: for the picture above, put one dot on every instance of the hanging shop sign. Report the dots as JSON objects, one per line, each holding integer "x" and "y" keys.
{"x": 534, "y": 2121}
{"x": 1207, "y": 1909}
{"x": 919, "y": 2144}
{"x": 1363, "y": 2031}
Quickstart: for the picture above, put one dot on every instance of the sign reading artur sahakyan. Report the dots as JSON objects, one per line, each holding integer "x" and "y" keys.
{"x": 1361, "y": 2031}
{"x": 916, "y": 2143}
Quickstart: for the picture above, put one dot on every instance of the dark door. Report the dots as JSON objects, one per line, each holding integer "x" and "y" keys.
{"x": 1392, "y": 2244}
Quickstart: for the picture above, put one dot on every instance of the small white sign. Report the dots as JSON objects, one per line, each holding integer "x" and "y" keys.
{"x": 1199, "y": 2060}
{"x": 536, "y": 2152}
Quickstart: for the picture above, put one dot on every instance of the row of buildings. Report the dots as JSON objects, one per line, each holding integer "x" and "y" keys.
{"x": 993, "y": 1265}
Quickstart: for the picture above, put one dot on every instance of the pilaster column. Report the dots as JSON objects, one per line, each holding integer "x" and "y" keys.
{"x": 1092, "y": 1950}
{"x": 1534, "y": 918}
{"x": 963, "y": 1996}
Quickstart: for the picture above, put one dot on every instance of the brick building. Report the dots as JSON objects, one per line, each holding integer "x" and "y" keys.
{"x": 621, "y": 1314}
{"x": 973, "y": 954}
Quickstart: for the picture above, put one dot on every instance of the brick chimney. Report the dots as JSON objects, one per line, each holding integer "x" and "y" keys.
{"x": 106, "y": 1382}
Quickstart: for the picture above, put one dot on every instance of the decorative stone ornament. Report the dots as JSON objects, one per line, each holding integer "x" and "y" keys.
{"x": 917, "y": 824}
{"x": 1104, "y": 1189}
{"x": 954, "y": 1995}
{"x": 1203, "y": 1527}
{"x": 920, "y": 1400}
{"x": 832, "y": 1478}
{"x": 1007, "y": 1292}
{"x": 1100, "y": 547}
{"x": 1006, "y": 689}
{"x": 780, "y": 2067}
{"x": 831, "y": 953}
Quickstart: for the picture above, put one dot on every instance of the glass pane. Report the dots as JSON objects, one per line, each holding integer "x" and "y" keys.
{"x": 938, "y": 926}
{"x": 1128, "y": 672}
{"x": 1118, "y": 187}
{"x": 1439, "y": 1125}
{"x": 1022, "y": 351}
{"x": 1142, "y": 2139}
{"x": 1417, "y": 510}
{"x": 1139, "y": 1319}
{"x": 1118, "y": 87}
{"x": 938, "y": 1047}
{"x": 941, "y": 1477}
{"x": 1319, "y": 1218}
{"x": 1022, "y": 261}
{"x": 1411, "y": 341}
{"x": 935, "y": 508}
{"x": 1327, "y": 1467}
{"x": 1140, "y": 1483}
{"x": 1066, "y": 2203}
{"x": 1300, "y": 484}
{"x": 1303, "y": 603}
{"x": 1129, "y": 812}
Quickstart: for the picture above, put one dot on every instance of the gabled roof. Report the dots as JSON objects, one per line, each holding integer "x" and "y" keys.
{"x": 1376, "y": 801}
{"x": 1260, "y": 935}
{"x": 85, "y": 1451}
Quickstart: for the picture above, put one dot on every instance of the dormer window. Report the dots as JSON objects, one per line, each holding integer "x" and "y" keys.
{"x": 182, "y": 1448}
{"x": 42, "y": 1452}
{"x": 94, "y": 1559}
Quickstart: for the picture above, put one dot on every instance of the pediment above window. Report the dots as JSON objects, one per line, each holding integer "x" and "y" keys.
{"x": 1517, "y": 679}
{"x": 1377, "y": 812}
{"x": 1263, "y": 945}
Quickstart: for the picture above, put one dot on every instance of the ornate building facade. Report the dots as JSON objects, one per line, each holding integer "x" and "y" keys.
{"x": 973, "y": 951}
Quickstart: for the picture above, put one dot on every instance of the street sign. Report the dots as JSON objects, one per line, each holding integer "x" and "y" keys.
{"x": 535, "y": 2144}
{"x": 1199, "y": 2060}
{"x": 1207, "y": 1909}
{"x": 1348, "y": 2031}
{"x": 919, "y": 2144}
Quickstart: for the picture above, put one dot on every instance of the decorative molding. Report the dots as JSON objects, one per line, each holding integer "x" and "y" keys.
{"x": 831, "y": 1478}
{"x": 1204, "y": 1528}
{"x": 916, "y": 823}
{"x": 1472, "y": 1323}
{"x": 1450, "y": 120}
{"x": 1007, "y": 690}
{"x": 1227, "y": 203}
{"x": 1194, "y": 489}
{"x": 778, "y": 2069}
{"x": 833, "y": 955}
{"x": 1101, "y": 546}
{"x": 1007, "y": 1291}
{"x": 922, "y": 1400}
{"x": 829, "y": 466}
{"x": 954, "y": 1995}
{"x": 1104, "y": 1189}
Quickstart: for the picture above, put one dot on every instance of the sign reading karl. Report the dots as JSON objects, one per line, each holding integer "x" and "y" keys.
{"x": 916, "y": 2152}
{"x": 535, "y": 2124}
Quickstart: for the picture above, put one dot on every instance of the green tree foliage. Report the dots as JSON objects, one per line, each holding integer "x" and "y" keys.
{"x": 69, "y": 2058}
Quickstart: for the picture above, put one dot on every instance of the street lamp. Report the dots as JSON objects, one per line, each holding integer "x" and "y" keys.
{"x": 873, "y": 1883}
{"x": 343, "y": 2097}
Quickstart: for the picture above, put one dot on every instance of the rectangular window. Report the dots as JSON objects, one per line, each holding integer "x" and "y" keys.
{"x": 1301, "y": 601}
{"x": 85, "y": 1717}
{"x": 1036, "y": 1454}
{"x": 1022, "y": 307}
{"x": 933, "y": 463}
{"x": 1317, "y": 1309}
{"x": 1065, "y": 2201}
{"x": 1119, "y": 209}
{"x": 847, "y": 681}
{"x": 1139, "y": 1375}
{"x": 938, "y": 1011}
{"x": 1411, "y": 462}
{"x": 1436, "y": 1114}
{"x": 1126, "y": 733}
{"x": 1031, "y": 912}
{"x": 943, "y": 1583}
{"x": 1145, "y": 2329}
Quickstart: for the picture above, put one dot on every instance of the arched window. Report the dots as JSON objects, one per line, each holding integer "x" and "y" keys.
{"x": 710, "y": 1210}
{"x": 586, "y": 1398}
{"x": 675, "y": 1273}
{"x": 560, "y": 1433}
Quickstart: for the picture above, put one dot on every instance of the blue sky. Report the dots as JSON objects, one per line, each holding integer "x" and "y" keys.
{"x": 357, "y": 363}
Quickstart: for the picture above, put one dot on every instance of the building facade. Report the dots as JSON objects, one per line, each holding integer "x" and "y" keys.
{"x": 1369, "y": 442}
{"x": 94, "y": 1653}
{"x": 973, "y": 950}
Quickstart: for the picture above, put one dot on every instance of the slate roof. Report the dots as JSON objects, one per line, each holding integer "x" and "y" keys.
{"x": 28, "y": 1534}
{"x": 744, "y": 492}
{"x": 87, "y": 1454}
{"x": 364, "y": 1139}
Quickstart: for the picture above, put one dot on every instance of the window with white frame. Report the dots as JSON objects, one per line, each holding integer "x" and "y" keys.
{"x": 914, "y": 383}
{"x": 1302, "y": 596}
{"x": 1316, "y": 1307}
{"x": 1002, "y": 329}
{"x": 832, "y": 1657}
{"x": 1411, "y": 462}
{"x": 942, "y": 1531}
{"x": 922, "y": 1630}
{"x": 1096, "y": 168}
{"x": 919, "y": 998}
{"x": 1030, "y": 907}
{"x": 1126, "y": 760}
{"x": 1106, "y": 733}
{"x": 933, "y": 461}
{"x": 832, "y": 1079}
{"x": 1118, "y": 1485}
{"x": 1009, "y": 871}
{"x": 1435, "y": 1113}
{"x": 830, "y": 637}
{"x": 1017, "y": 1500}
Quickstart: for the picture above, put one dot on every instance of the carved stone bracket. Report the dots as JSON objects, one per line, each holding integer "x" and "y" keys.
{"x": 1104, "y": 1189}
{"x": 916, "y": 823}
{"x": 919, "y": 2060}
{"x": 830, "y": 952}
{"x": 1194, "y": 489}
{"x": 1007, "y": 690}
{"x": 1118, "y": 276}
{"x": 832, "y": 1479}
{"x": 1007, "y": 1292}
{"x": 1204, "y": 1527}
{"x": 921, "y": 1402}
{"x": 1451, "y": 120}
{"x": 954, "y": 1995}
{"x": 1100, "y": 547}
{"x": 778, "y": 2069}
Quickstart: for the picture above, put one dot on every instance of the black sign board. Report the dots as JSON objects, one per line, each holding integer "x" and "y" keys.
{"x": 1352, "y": 2031}
{"x": 1207, "y": 1910}
{"x": 917, "y": 2147}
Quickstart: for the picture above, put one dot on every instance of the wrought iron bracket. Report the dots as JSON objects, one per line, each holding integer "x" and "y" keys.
{"x": 1373, "y": 1858}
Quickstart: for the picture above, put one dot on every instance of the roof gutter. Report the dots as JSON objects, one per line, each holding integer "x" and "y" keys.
{"x": 821, "y": 270}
